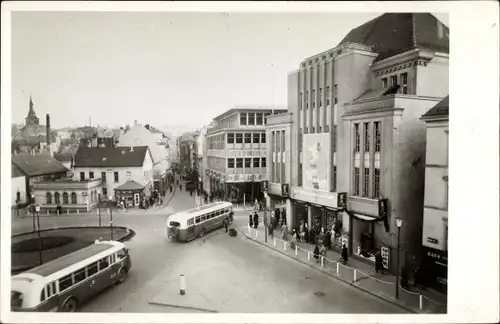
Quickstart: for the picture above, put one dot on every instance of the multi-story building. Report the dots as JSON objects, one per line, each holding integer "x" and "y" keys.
{"x": 236, "y": 153}
{"x": 357, "y": 143}
{"x": 126, "y": 171}
{"x": 435, "y": 223}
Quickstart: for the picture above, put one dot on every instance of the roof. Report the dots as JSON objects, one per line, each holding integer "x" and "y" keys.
{"x": 63, "y": 262}
{"x": 110, "y": 156}
{"x": 130, "y": 185}
{"x": 63, "y": 157}
{"x": 37, "y": 165}
{"x": 375, "y": 93}
{"x": 139, "y": 135}
{"x": 15, "y": 172}
{"x": 250, "y": 109}
{"x": 441, "y": 109}
{"x": 394, "y": 33}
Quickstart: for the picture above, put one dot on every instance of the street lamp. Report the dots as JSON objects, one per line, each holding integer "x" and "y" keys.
{"x": 40, "y": 243}
{"x": 399, "y": 223}
{"x": 265, "y": 218}
{"x": 32, "y": 209}
{"x": 99, "y": 205}
{"x": 111, "y": 215}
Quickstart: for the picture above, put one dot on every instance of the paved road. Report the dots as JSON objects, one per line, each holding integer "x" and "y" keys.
{"x": 234, "y": 274}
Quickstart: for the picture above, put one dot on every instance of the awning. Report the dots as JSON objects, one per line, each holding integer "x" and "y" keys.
{"x": 363, "y": 217}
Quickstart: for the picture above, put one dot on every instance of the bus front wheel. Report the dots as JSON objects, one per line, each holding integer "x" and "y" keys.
{"x": 122, "y": 275}
{"x": 70, "y": 305}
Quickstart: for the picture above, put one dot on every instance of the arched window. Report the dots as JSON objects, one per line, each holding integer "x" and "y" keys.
{"x": 57, "y": 198}
{"x": 73, "y": 198}
{"x": 49, "y": 198}
{"x": 65, "y": 198}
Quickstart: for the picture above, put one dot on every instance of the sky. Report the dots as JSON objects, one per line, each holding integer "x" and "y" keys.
{"x": 161, "y": 68}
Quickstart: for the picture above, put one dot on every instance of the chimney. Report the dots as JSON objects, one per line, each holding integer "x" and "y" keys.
{"x": 47, "y": 128}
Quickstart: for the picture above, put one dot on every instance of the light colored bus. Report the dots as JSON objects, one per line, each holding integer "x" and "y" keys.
{"x": 65, "y": 283}
{"x": 195, "y": 222}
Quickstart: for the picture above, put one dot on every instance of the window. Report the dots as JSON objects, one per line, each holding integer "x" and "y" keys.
{"x": 320, "y": 97}
{"x": 301, "y": 97}
{"x": 263, "y": 138}
{"x": 243, "y": 118}
{"x": 258, "y": 117}
{"x": 73, "y": 198}
{"x": 366, "y": 181}
{"x": 356, "y": 182}
{"x": 334, "y": 180}
{"x": 190, "y": 222}
{"x": 248, "y": 162}
{"x": 394, "y": 80}
{"x": 57, "y": 198}
{"x": 91, "y": 269}
{"x": 239, "y": 138}
{"x": 263, "y": 162}
{"x": 256, "y": 162}
{"x": 248, "y": 138}
{"x": 197, "y": 219}
{"x": 376, "y": 183}
{"x": 129, "y": 174}
{"x": 328, "y": 96}
{"x": 103, "y": 176}
{"x": 79, "y": 275}
{"x": 103, "y": 263}
{"x": 404, "y": 83}
{"x": 105, "y": 191}
{"x": 230, "y": 163}
{"x": 306, "y": 131}
{"x": 307, "y": 99}
{"x": 335, "y": 94}
{"x": 366, "y": 137}
{"x": 256, "y": 138}
{"x": 239, "y": 162}
{"x": 313, "y": 98}
{"x": 116, "y": 176}
{"x": 384, "y": 83}
{"x": 42, "y": 296}
{"x": 48, "y": 198}
{"x": 230, "y": 138}
{"x": 376, "y": 126}
{"x": 203, "y": 218}
{"x": 251, "y": 119}
{"x": 65, "y": 198}
{"x": 356, "y": 138}
{"x": 313, "y": 129}
{"x": 82, "y": 176}
{"x": 65, "y": 282}
{"x": 91, "y": 175}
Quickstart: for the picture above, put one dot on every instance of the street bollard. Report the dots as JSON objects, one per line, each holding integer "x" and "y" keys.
{"x": 47, "y": 212}
{"x": 249, "y": 230}
{"x": 337, "y": 268}
{"x": 274, "y": 241}
{"x": 322, "y": 261}
{"x": 183, "y": 285}
{"x": 78, "y": 211}
{"x": 354, "y": 275}
{"x": 308, "y": 255}
{"x": 67, "y": 211}
{"x": 256, "y": 233}
{"x": 420, "y": 302}
{"x": 296, "y": 250}
{"x": 58, "y": 212}
{"x": 284, "y": 245}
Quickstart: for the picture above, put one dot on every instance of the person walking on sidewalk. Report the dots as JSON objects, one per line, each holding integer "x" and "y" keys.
{"x": 306, "y": 233}
{"x": 284, "y": 232}
{"x": 344, "y": 254}
{"x": 255, "y": 220}
{"x": 277, "y": 215}
{"x": 316, "y": 252}
{"x": 322, "y": 251}
{"x": 302, "y": 231}
{"x": 270, "y": 229}
{"x": 273, "y": 222}
{"x": 226, "y": 223}
{"x": 293, "y": 243}
{"x": 250, "y": 221}
{"x": 379, "y": 267}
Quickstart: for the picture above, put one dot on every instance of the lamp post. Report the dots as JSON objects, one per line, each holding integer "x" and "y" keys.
{"x": 40, "y": 243}
{"x": 399, "y": 223}
{"x": 111, "y": 215}
{"x": 33, "y": 210}
{"x": 265, "y": 218}
{"x": 99, "y": 205}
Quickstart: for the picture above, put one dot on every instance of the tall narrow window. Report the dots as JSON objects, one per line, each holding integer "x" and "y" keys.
{"x": 230, "y": 138}
{"x": 366, "y": 182}
{"x": 49, "y": 198}
{"x": 82, "y": 176}
{"x": 258, "y": 119}
{"x": 334, "y": 180}
{"x": 251, "y": 118}
{"x": 91, "y": 175}
{"x": 356, "y": 182}
{"x": 243, "y": 118}
{"x": 256, "y": 138}
{"x": 384, "y": 83}
{"x": 263, "y": 138}
{"x": 313, "y": 94}
{"x": 230, "y": 163}
{"x": 265, "y": 116}
{"x": 248, "y": 162}
{"x": 404, "y": 83}
{"x": 307, "y": 99}
{"x": 328, "y": 96}
{"x": 103, "y": 176}
{"x": 366, "y": 137}
{"x": 300, "y": 101}
{"x": 263, "y": 162}
{"x": 394, "y": 80}
{"x": 116, "y": 176}
{"x": 335, "y": 95}
{"x": 376, "y": 183}
{"x": 376, "y": 126}
{"x": 239, "y": 163}
{"x": 248, "y": 138}
{"x": 256, "y": 162}
{"x": 239, "y": 138}
{"x": 65, "y": 198}
{"x": 73, "y": 197}
{"x": 57, "y": 198}
{"x": 320, "y": 97}
{"x": 356, "y": 138}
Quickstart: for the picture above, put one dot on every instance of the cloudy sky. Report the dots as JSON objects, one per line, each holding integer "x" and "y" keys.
{"x": 161, "y": 68}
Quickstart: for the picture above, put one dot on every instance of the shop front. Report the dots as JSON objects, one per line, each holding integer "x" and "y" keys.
{"x": 434, "y": 270}
{"x": 131, "y": 194}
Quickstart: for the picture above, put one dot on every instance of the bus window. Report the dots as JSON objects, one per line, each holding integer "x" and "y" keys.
{"x": 65, "y": 282}
{"x": 190, "y": 222}
{"x": 91, "y": 269}
{"x": 203, "y": 217}
{"x": 121, "y": 254}
{"x": 112, "y": 259}
{"x": 198, "y": 219}
{"x": 79, "y": 275}
{"x": 16, "y": 299}
{"x": 103, "y": 263}
{"x": 175, "y": 224}
{"x": 42, "y": 297}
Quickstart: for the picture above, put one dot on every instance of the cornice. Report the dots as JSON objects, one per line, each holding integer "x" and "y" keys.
{"x": 335, "y": 53}
{"x": 415, "y": 57}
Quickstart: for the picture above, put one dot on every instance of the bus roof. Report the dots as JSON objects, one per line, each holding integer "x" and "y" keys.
{"x": 70, "y": 259}
{"x": 200, "y": 210}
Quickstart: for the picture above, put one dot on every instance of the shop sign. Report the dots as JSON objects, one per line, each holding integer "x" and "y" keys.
{"x": 341, "y": 199}
{"x": 384, "y": 252}
{"x": 432, "y": 240}
{"x": 437, "y": 256}
{"x": 318, "y": 197}
{"x": 285, "y": 190}
{"x": 382, "y": 207}
{"x": 345, "y": 240}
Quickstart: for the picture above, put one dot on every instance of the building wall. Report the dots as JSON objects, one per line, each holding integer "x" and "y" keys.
{"x": 18, "y": 185}
{"x": 433, "y": 79}
{"x": 293, "y": 108}
{"x": 86, "y": 195}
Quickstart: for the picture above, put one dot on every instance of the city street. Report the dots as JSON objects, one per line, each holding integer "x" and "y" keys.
{"x": 230, "y": 274}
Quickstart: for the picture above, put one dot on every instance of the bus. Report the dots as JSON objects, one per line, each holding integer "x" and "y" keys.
{"x": 66, "y": 282}
{"x": 187, "y": 225}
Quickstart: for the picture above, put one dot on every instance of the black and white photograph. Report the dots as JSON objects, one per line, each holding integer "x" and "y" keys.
{"x": 173, "y": 161}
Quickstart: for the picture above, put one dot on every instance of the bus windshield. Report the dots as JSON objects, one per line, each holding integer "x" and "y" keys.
{"x": 175, "y": 224}
{"x": 16, "y": 299}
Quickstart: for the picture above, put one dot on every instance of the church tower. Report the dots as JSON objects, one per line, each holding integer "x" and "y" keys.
{"x": 32, "y": 119}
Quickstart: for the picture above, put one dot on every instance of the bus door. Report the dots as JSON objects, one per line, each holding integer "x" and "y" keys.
{"x": 190, "y": 229}
{"x": 95, "y": 282}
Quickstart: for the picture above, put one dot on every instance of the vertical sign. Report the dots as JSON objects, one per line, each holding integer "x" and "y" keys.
{"x": 384, "y": 252}
{"x": 345, "y": 240}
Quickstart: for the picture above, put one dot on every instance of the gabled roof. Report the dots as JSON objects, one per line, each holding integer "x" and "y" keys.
{"x": 139, "y": 135}
{"x": 441, "y": 109}
{"x": 130, "y": 185}
{"x": 37, "y": 165}
{"x": 15, "y": 172}
{"x": 63, "y": 157}
{"x": 394, "y": 33}
{"x": 111, "y": 156}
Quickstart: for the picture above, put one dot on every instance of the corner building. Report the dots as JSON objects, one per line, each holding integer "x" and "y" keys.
{"x": 358, "y": 146}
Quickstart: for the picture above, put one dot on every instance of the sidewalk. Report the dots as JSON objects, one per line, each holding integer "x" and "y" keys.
{"x": 355, "y": 273}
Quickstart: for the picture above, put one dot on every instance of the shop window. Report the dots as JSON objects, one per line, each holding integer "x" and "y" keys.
{"x": 73, "y": 198}
{"x": 65, "y": 198}
{"x": 239, "y": 138}
{"x": 49, "y": 198}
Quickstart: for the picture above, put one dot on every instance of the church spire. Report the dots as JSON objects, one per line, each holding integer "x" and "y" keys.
{"x": 31, "y": 112}
{"x": 32, "y": 119}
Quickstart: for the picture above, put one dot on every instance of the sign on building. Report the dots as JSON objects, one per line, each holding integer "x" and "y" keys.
{"x": 341, "y": 199}
{"x": 285, "y": 192}
{"x": 384, "y": 252}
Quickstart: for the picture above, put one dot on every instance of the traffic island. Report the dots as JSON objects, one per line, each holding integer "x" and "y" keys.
{"x": 28, "y": 250}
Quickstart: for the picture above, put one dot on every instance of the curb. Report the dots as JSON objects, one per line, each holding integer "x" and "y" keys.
{"x": 184, "y": 307}
{"x": 329, "y": 274}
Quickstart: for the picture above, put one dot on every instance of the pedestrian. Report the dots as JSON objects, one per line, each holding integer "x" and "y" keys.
{"x": 231, "y": 216}
{"x": 273, "y": 222}
{"x": 284, "y": 232}
{"x": 250, "y": 221}
{"x": 293, "y": 243}
{"x": 226, "y": 223}
{"x": 306, "y": 233}
{"x": 344, "y": 253}
{"x": 316, "y": 252}
{"x": 302, "y": 231}
{"x": 322, "y": 251}
{"x": 378, "y": 263}
{"x": 270, "y": 229}
{"x": 277, "y": 215}
{"x": 255, "y": 220}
